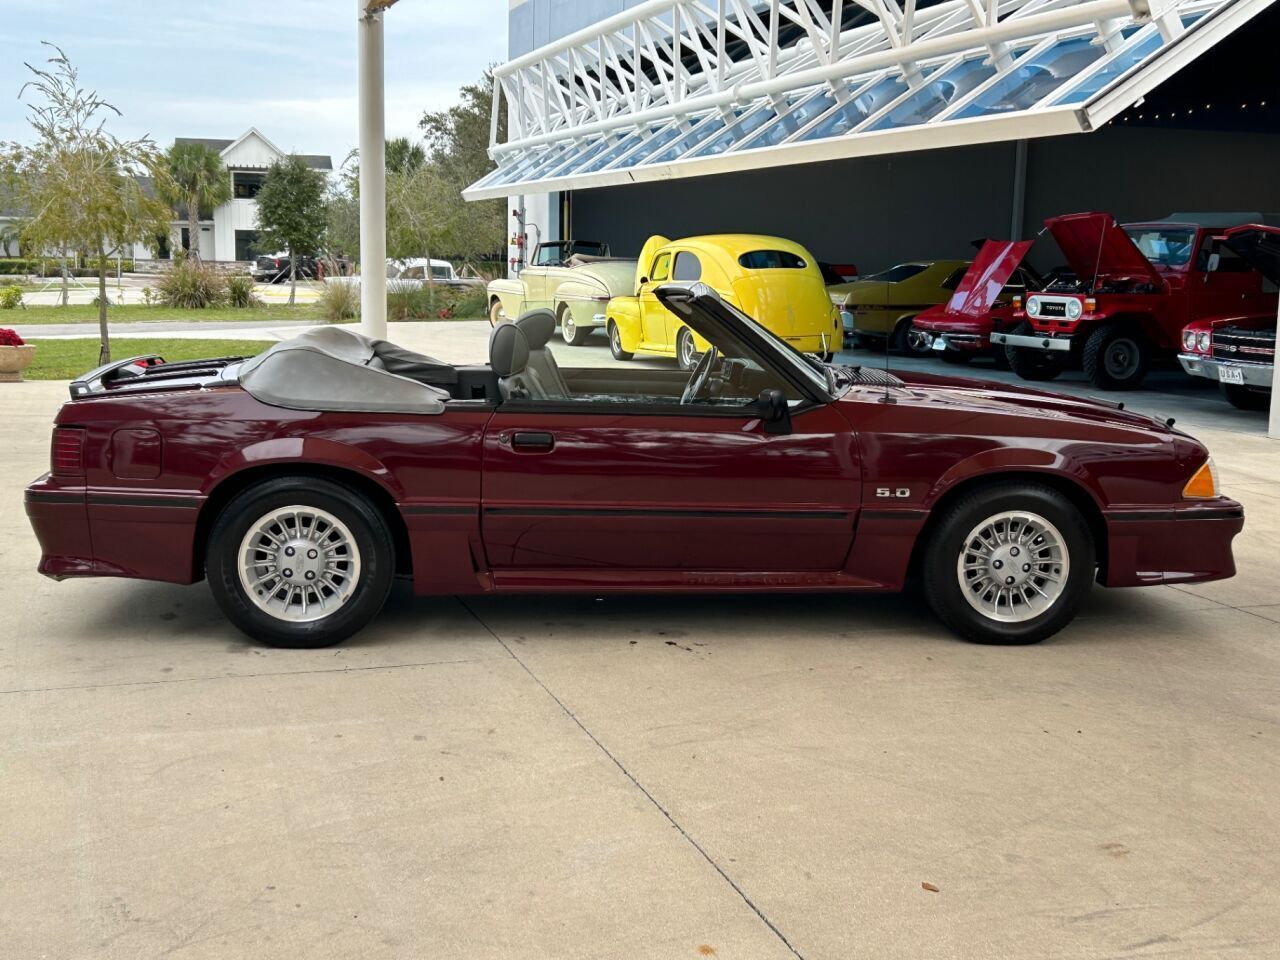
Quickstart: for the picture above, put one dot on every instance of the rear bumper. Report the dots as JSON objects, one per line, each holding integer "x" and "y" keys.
{"x": 1034, "y": 343}
{"x": 116, "y": 533}
{"x": 1258, "y": 375}
{"x": 1184, "y": 544}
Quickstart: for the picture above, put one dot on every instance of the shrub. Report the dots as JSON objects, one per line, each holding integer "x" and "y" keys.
{"x": 10, "y": 338}
{"x": 240, "y": 292}
{"x": 148, "y": 296}
{"x": 409, "y": 302}
{"x": 339, "y": 302}
{"x": 17, "y": 267}
{"x": 10, "y": 297}
{"x": 191, "y": 286}
{"x": 473, "y": 302}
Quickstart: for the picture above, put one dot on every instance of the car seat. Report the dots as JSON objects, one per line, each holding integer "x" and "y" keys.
{"x": 509, "y": 359}
{"x": 538, "y": 327}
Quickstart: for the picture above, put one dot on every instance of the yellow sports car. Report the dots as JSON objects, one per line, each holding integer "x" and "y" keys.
{"x": 773, "y": 280}
{"x": 884, "y": 304}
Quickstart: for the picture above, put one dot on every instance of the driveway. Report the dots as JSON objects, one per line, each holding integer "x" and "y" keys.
{"x": 746, "y": 777}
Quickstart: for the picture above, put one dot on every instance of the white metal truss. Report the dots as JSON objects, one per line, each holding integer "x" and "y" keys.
{"x": 679, "y": 88}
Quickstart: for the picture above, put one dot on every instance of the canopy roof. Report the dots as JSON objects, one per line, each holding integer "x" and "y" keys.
{"x": 682, "y": 88}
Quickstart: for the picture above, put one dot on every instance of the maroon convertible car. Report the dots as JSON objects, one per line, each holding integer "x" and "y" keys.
{"x": 301, "y": 481}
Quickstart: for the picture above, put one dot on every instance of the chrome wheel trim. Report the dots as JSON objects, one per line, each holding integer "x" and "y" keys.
{"x": 496, "y": 313}
{"x": 1013, "y": 566}
{"x": 568, "y": 329}
{"x": 298, "y": 564}
{"x": 1120, "y": 358}
{"x": 688, "y": 352}
{"x": 918, "y": 341}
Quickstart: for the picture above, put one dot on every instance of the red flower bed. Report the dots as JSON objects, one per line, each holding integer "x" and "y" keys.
{"x": 10, "y": 339}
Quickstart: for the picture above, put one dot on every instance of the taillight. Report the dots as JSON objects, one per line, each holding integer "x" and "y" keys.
{"x": 67, "y": 455}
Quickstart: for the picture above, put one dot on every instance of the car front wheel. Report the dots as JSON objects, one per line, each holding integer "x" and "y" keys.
{"x": 1031, "y": 364}
{"x": 300, "y": 562}
{"x": 1116, "y": 358}
{"x": 686, "y": 349}
{"x": 1009, "y": 564}
{"x": 496, "y": 314}
{"x": 615, "y": 343}
{"x": 573, "y": 334}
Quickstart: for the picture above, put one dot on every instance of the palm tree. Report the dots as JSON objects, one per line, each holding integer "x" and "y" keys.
{"x": 197, "y": 180}
{"x": 404, "y": 156}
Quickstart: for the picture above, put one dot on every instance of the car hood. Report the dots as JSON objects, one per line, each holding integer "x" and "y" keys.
{"x": 1260, "y": 246}
{"x": 1094, "y": 244}
{"x": 989, "y": 397}
{"x": 985, "y": 278}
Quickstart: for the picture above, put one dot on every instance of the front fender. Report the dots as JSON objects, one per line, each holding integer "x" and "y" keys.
{"x": 310, "y": 451}
{"x": 992, "y": 463}
{"x": 509, "y": 292}
{"x": 625, "y": 312}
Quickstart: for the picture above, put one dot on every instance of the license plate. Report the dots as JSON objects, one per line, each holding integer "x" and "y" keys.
{"x": 938, "y": 344}
{"x": 1231, "y": 375}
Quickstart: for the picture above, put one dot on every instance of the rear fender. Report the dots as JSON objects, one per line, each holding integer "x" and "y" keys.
{"x": 625, "y": 312}
{"x": 319, "y": 451}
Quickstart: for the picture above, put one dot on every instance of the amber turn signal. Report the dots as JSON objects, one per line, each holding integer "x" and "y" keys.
{"x": 1203, "y": 484}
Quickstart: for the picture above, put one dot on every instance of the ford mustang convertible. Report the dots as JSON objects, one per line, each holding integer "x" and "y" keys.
{"x": 301, "y": 481}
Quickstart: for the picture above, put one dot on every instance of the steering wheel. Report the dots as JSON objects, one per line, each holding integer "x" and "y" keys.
{"x": 698, "y": 379}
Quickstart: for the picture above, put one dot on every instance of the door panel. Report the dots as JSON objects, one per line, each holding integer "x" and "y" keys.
{"x": 669, "y": 492}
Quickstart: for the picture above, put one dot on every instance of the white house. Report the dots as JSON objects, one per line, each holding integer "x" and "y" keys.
{"x": 230, "y": 233}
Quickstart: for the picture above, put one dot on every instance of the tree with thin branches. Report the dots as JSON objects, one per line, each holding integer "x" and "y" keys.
{"x": 198, "y": 181}
{"x": 80, "y": 187}
{"x": 291, "y": 211}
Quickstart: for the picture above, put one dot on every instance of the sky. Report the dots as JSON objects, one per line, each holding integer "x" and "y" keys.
{"x": 214, "y": 68}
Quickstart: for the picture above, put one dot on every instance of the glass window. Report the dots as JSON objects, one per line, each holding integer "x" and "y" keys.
{"x": 1143, "y": 46}
{"x": 903, "y": 271}
{"x": 772, "y": 260}
{"x": 736, "y": 132}
{"x": 687, "y": 267}
{"x": 1164, "y": 246}
{"x": 660, "y": 267}
{"x": 954, "y": 278}
{"x": 245, "y": 186}
{"x": 701, "y": 130}
{"x": 413, "y": 273}
{"x": 440, "y": 272}
{"x": 938, "y": 94}
{"x": 791, "y": 120}
{"x": 1035, "y": 77}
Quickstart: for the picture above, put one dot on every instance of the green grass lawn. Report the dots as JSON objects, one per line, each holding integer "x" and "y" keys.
{"x": 67, "y": 359}
{"x": 137, "y": 313}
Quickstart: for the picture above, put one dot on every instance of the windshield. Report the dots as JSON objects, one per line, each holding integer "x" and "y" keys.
{"x": 810, "y": 369}
{"x": 1164, "y": 246}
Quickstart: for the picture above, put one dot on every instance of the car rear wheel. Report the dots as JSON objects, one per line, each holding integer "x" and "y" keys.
{"x": 686, "y": 349}
{"x": 300, "y": 562}
{"x": 1009, "y": 564}
{"x": 573, "y": 334}
{"x": 1245, "y": 398}
{"x": 615, "y": 343}
{"x": 496, "y": 314}
{"x": 1116, "y": 358}
{"x": 909, "y": 341}
{"x": 1031, "y": 364}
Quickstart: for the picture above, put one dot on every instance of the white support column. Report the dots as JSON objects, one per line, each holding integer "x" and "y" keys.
{"x": 373, "y": 172}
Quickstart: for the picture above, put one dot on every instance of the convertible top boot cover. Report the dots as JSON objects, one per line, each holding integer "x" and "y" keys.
{"x": 332, "y": 369}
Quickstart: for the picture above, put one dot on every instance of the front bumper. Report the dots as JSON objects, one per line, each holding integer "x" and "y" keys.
{"x": 1033, "y": 343}
{"x": 1189, "y": 543}
{"x": 1258, "y": 375}
{"x": 959, "y": 342}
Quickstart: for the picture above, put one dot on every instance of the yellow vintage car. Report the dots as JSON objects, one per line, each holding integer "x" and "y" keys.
{"x": 883, "y": 305}
{"x": 775, "y": 281}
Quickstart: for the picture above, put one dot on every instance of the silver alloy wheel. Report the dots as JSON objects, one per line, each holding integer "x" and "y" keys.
{"x": 615, "y": 339}
{"x": 1121, "y": 358}
{"x": 568, "y": 328}
{"x": 918, "y": 341}
{"x": 688, "y": 352}
{"x": 1013, "y": 566}
{"x": 298, "y": 564}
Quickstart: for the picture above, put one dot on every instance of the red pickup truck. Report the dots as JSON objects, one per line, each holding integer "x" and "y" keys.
{"x": 1136, "y": 286}
{"x": 1239, "y": 350}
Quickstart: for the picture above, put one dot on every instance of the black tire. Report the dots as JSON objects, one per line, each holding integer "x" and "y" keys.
{"x": 905, "y": 343}
{"x": 948, "y": 538}
{"x": 1031, "y": 364}
{"x": 958, "y": 357}
{"x": 1116, "y": 357}
{"x": 574, "y": 335}
{"x": 615, "y": 343}
{"x": 372, "y": 539}
{"x": 1245, "y": 398}
{"x": 686, "y": 350}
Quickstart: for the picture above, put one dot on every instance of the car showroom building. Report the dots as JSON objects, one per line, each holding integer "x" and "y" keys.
{"x": 875, "y": 131}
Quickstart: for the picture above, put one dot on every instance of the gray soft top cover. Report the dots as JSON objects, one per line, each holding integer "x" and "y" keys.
{"x": 331, "y": 368}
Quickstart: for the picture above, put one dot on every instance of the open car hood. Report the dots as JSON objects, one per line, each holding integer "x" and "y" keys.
{"x": 1094, "y": 243}
{"x": 986, "y": 277}
{"x": 1260, "y": 246}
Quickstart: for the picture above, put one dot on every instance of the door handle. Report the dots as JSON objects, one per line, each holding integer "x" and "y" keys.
{"x": 532, "y": 441}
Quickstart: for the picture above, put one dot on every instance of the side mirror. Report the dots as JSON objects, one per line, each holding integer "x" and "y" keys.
{"x": 774, "y": 413}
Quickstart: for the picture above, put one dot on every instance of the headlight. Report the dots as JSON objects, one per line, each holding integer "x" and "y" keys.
{"x": 1203, "y": 484}
{"x": 1033, "y": 307}
{"x": 1188, "y": 339}
{"x": 1204, "y": 341}
{"x": 1074, "y": 309}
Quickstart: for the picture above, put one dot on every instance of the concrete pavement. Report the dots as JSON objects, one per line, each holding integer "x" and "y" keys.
{"x": 658, "y": 777}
